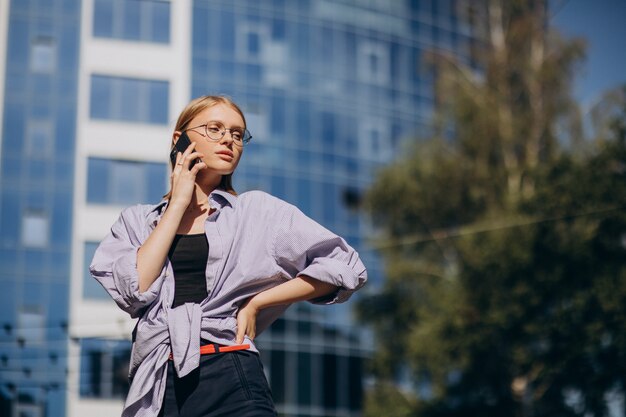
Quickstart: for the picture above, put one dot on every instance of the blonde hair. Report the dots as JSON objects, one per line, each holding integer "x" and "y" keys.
{"x": 195, "y": 107}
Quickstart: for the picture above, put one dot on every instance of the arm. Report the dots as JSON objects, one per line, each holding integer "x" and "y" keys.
{"x": 152, "y": 254}
{"x": 298, "y": 289}
{"x": 325, "y": 269}
{"x": 128, "y": 264}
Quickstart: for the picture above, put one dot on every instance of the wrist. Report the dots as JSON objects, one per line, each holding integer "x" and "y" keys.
{"x": 254, "y": 303}
{"x": 177, "y": 206}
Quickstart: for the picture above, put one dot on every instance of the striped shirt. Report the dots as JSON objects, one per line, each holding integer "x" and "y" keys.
{"x": 256, "y": 242}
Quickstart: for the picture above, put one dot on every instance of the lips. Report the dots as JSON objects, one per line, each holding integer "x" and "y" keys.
{"x": 225, "y": 154}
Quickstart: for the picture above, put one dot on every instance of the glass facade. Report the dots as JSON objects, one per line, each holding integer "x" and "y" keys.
{"x": 132, "y": 20}
{"x": 36, "y": 192}
{"x": 129, "y": 99}
{"x": 331, "y": 89}
{"x": 121, "y": 182}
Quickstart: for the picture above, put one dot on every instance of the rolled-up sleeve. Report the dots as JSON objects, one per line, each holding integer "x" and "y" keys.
{"x": 304, "y": 247}
{"x": 114, "y": 264}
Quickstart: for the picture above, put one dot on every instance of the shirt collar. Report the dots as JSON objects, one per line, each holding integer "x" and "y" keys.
{"x": 218, "y": 198}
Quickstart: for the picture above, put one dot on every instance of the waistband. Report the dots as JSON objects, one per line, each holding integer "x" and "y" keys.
{"x": 215, "y": 348}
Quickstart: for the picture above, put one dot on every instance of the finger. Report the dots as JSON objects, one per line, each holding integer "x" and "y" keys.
{"x": 197, "y": 167}
{"x": 188, "y": 155}
{"x": 195, "y": 155}
{"x": 241, "y": 329}
{"x": 178, "y": 163}
{"x": 190, "y": 148}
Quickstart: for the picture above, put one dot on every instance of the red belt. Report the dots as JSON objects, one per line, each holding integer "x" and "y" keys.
{"x": 215, "y": 348}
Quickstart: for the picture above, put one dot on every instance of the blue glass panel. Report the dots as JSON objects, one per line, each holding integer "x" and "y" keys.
{"x": 41, "y": 84}
{"x": 11, "y": 168}
{"x": 97, "y": 180}
{"x": 277, "y": 115}
{"x": 8, "y": 261}
{"x": 65, "y": 134}
{"x": 100, "y": 100}
{"x": 304, "y": 196}
{"x": 91, "y": 287}
{"x": 226, "y": 22}
{"x": 161, "y": 21}
{"x": 18, "y": 43}
{"x": 10, "y": 216}
{"x": 37, "y": 170}
{"x": 61, "y": 224}
{"x": 8, "y": 301}
{"x": 302, "y": 43}
{"x": 227, "y": 71}
{"x": 278, "y": 185}
{"x": 103, "y": 18}
{"x": 127, "y": 182}
{"x": 330, "y": 208}
{"x": 156, "y": 180}
{"x": 328, "y": 130}
{"x": 159, "y": 101}
{"x": 132, "y": 20}
{"x": 278, "y": 29}
{"x": 57, "y": 305}
{"x": 34, "y": 264}
{"x": 253, "y": 73}
{"x": 14, "y": 128}
{"x": 130, "y": 106}
{"x": 200, "y": 34}
{"x": 303, "y": 125}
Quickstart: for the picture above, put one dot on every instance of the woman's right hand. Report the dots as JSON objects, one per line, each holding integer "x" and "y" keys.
{"x": 183, "y": 179}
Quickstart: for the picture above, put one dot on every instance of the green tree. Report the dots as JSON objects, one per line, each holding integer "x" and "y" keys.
{"x": 503, "y": 243}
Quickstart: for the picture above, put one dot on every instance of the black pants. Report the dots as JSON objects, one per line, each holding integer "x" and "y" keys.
{"x": 225, "y": 384}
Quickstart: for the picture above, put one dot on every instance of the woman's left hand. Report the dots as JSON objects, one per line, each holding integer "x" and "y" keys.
{"x": 246, "y": 321}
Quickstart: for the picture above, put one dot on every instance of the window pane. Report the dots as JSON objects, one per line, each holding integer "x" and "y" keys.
{"x": 43, "y": 56}
{"x": 129, "y": 99}
{"x": 103, "y": 18}
{"x": 31, "y": 326}
{"x": 97, "y": 181}
{"x": 104, "y": 368}
{"x": 100, "y": 97}
{"x": 35, "y": 230}
{"x": 157, "y": 180}
{"x": 91, "y": 288}
{"x": 134, "y": 20}
{"x": 127, "y": 182}
{"x": 132, "y": 23}
{"x": 158, "y": 101}
{"x": 161, "y": 21}
{"x": 130, "y": 102}
{"x": 39, "y": 138}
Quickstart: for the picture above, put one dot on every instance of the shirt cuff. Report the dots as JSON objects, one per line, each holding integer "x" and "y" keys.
{"x": 126, "y": 279}
{"x": 336, "y": 273}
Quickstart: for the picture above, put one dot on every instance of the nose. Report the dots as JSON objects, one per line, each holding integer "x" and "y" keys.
{"x": 230, "y": 136}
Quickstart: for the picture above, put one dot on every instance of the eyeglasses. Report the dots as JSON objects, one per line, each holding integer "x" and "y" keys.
{"x": 216, "y": 131}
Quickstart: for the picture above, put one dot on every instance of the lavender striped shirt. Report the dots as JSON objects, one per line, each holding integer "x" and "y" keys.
{"x": 256, "y": 242}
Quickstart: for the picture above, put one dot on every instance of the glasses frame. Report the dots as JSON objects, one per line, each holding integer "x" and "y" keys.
{"x": 246, "y": 134}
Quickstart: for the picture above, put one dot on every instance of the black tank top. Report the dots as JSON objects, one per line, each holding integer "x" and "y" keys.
{"x": 188, "y": 255}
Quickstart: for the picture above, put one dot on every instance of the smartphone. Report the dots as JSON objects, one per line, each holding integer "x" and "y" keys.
{"x": 181, "y": 146}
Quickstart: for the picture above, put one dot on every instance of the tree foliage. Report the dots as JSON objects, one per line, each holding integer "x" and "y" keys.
{"x": 503, "y": 243}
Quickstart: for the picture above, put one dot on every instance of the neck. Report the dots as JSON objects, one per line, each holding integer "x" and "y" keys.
{"x": 205, "y": 185}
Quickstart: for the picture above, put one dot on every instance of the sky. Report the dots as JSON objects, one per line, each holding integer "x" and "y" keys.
{"x": 603, "y": 24}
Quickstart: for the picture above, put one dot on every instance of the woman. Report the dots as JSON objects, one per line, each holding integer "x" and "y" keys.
{"x": 205, "y": 270}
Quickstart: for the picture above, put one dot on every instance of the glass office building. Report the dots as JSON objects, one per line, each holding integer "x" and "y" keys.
{"x": 332, "y": 90}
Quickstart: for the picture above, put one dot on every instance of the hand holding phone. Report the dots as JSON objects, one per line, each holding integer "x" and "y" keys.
{"x": 181, "y": 146}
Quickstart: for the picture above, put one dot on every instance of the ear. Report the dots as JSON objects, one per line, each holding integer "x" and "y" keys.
{"x": 176, "y": 136}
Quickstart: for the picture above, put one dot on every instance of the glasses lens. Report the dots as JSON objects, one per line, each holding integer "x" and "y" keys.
{"x": 239, "y": 136}
{"x": 214, "y": 132}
